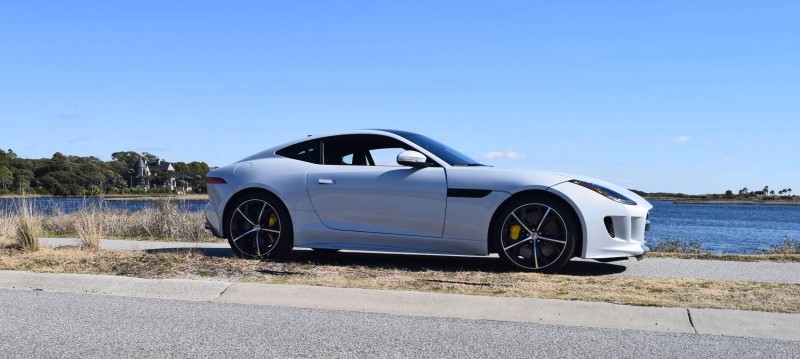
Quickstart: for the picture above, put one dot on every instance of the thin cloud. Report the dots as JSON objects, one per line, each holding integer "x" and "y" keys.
{"x": 728, "y": 158}
{"x": 68, "y": 114}
{"x": 79, "y": 139}
{"x": 681, "y": 139}
{"x": 152, "y": 149}
{"x": 512, "y": 155}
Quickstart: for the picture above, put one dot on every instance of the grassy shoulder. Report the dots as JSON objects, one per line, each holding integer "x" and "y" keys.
{"x": 488, "y": 279}
{"x": 787, "y": 250}
{"x": 774, "y": 257}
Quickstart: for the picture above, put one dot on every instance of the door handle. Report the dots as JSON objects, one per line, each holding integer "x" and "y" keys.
{"x": 326, "y": 181}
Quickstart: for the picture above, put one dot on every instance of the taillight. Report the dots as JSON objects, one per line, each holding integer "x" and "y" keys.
{"x": 216, "y": 180}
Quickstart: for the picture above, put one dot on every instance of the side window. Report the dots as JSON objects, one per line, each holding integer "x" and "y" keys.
{"x": 308, "y": 151}
{"x": 386, "y": 156}
{"x": 362, "y": 150}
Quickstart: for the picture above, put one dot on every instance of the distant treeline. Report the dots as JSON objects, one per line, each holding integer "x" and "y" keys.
{"x": 63, "y": 175}
{"x": 743, "y": 194}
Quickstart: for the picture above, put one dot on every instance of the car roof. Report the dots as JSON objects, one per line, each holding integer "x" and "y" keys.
{"x": 396, "y": 134}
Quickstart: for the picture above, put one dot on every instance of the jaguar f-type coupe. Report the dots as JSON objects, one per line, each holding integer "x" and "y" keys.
{"x": 397, "y": 191}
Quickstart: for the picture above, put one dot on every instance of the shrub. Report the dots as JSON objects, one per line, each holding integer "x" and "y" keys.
{"x": 675, "y": 245}
{"x": 789, "y": 246}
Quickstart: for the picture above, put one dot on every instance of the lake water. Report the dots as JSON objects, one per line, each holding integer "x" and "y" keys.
{"x": 725, "y": 228}
{"x": 728, "y": 228}
{"x": 71, "y": 204}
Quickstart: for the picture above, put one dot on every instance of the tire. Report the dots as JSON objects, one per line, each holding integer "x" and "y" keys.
{"x": 535, "y": 234}
{"x": 259, "y": 227}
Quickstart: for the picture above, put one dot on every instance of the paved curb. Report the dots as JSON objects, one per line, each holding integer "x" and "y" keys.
{"x": 529, "y": 310}
{"x": 741, "y": 323}
{"x": 133, "y": 245}
{"x": 180, "y": 289}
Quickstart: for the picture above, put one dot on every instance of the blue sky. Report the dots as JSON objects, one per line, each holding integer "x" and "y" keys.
{"x": 694, "y": 97}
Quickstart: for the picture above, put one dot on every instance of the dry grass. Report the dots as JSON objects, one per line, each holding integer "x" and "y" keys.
{"x": 788, "y": 250}
{"x": 788, "y": 247}
{"x": 676, "y": 245}
{"x": 90, "y": 228}
{"x": 8, "y": 227}
{"x": 166, "y": 221}
{"x": 635, "y": 291}
{"x": 28, "y": 228}
{"x": 324, "y": 272}
{"x": 164, "y": 264}
{"x": 162, "y": 221}
{"x": 764, "y": 257}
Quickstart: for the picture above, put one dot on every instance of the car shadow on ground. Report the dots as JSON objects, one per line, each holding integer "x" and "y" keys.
{"x": 413, "y": 262}
{"x": 208, "y": 252}
{"x": 416, "y": 262}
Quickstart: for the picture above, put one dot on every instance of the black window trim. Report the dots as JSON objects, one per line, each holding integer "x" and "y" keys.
{"x": 408, "y": 143}
{"x": 317, "y": 140}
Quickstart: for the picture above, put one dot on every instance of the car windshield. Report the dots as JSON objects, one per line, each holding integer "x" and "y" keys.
{"x": 447, "y": 154}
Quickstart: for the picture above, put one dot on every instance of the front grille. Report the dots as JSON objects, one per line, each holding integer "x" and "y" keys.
{"x": 609, "y": 226}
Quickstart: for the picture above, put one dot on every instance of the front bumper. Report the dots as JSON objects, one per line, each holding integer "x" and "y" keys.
{"x": 610, "y": 229}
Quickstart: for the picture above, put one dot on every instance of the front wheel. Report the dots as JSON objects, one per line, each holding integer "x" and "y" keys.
{"x": 259, "y": 227}
{"x": 535, "y": 234}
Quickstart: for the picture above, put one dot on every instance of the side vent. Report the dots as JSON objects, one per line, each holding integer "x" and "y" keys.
{"x": 609, "y": 226}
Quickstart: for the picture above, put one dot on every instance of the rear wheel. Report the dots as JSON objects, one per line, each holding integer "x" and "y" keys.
{"x": 536, "y": 234}
{"x": 259, "y": 227}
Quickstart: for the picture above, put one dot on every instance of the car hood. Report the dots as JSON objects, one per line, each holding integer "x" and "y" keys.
{"x": 516, "y": 180}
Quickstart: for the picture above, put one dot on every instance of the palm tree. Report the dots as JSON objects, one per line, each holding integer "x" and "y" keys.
{"x": 790, "y": 191}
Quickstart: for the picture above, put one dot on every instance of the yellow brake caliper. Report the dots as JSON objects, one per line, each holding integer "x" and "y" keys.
{"x": 515, "y": 229}
{"x": 272, "y": 220}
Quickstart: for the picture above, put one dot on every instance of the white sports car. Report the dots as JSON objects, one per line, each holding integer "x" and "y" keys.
{"x": 396, "y": 191}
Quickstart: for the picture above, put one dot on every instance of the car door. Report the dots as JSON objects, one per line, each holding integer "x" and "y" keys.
{"x": 350, "y": 191}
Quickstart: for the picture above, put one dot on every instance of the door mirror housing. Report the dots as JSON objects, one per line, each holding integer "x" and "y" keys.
{"x": 412, "y": 159}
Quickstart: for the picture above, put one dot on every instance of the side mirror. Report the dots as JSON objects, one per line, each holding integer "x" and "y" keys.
{"x": 412, "y": 159}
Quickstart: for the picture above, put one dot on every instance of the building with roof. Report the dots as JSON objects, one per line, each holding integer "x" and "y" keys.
{"x": 158, "y": 173}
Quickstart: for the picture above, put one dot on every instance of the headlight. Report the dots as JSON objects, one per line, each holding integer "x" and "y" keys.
{"x": 606, "y": 192}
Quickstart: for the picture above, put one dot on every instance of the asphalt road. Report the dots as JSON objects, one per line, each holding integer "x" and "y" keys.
{"x": 47, "y": 324}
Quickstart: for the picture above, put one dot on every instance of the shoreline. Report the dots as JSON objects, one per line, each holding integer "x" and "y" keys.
{"x": 133, "y": 197}
{"x": 185, "y": 197}
{"x": 723, "y": 201}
